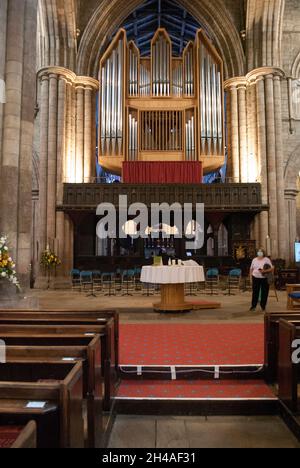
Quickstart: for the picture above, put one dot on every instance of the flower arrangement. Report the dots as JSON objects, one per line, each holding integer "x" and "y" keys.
{"x": 49, "y": 259}
{"x": 7, "y": 266}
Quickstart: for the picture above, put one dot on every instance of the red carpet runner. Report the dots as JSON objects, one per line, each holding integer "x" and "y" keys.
{"x": 168, "y": 344}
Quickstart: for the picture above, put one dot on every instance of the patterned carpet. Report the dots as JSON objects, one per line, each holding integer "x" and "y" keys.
{"x": 191, "y": 344}
{"x": 216, "y": 390}
{"x": 8, "y": 435}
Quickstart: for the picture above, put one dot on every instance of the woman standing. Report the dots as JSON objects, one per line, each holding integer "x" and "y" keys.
{"x": 260, "y": 270}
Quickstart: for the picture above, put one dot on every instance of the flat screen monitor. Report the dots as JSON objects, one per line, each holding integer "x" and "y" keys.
{"x": 297, "y": 252}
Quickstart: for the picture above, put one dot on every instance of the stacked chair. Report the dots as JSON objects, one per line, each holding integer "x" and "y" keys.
{"x": 212, "y": 283}
{"x": 234, "y": 282}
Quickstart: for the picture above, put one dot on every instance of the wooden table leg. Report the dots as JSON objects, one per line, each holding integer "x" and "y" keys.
{"x": 172, "y": 299}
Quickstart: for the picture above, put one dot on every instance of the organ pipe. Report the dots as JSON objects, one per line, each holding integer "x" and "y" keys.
{"x": 112, "y": 98}
{"x": 161, "y": 65}
{"x": 211, "y": 102}
{"x": 161, "y": 104}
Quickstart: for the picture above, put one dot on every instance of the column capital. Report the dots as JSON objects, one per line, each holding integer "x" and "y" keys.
{"x": 69, "y": 76}
{"x": 260, "y": 73}
{"x": 87, "y": 82}
{"x": 236, "y": 82}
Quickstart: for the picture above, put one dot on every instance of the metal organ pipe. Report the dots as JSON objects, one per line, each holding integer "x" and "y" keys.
{"x": 161, "y": 66}
{"x": 190, "y": 148}
{"x": 112, "y": 102}
{"x": 211, "y": 106}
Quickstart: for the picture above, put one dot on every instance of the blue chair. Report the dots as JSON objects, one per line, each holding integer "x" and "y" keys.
{"x": 87, "y": 282}
{"x": 75, "y": 279}
{"x": 109, "y": 283}
{"x": 212, "y": 281}
{"x": 97, "y": 280}
{"x": 234, "y": 281}
{"x": 128, "y": 282}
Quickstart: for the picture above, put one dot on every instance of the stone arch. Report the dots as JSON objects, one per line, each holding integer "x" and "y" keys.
{"x": 292, "y": 169}
{"x": 112, "y": 13}
{"x": 296, "y": 67}
{"x": 264, "y": 33}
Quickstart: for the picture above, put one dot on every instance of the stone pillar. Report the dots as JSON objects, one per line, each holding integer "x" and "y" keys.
{"x": 18, "y": 23}
{"x": 52, "y": 159}
{"x": 235, "y": 152}
{"x": 281, "y": 212}
{"x": 12, "y": 123}
{"x": 271, "y": 163}
{"x": 243, "y": 146}
{"x": 44, "y": 120}
{"x": 3, "y": 21}
{"x": 24, "y": 256}
{"x": 66, "y": 151}
{"x": 291, "y": 228}
{"x": 79, "y": 133}
{"x": 61, "y": 150}
{"x": 89, "y": 150}
{"x": 238, "y": 145}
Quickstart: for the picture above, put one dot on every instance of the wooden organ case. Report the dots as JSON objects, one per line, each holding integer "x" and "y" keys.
{"x": 161, "y": 108}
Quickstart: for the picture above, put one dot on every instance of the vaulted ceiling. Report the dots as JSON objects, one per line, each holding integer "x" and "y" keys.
{"x": 152, "y": 14}
{"x": 75, "y": 33}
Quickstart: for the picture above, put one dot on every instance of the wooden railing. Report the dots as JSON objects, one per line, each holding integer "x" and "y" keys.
{"x": 216, "y": 197}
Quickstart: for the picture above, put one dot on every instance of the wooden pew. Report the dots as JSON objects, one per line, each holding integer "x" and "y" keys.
{"x": 87, "y": 327}
{"x": 72, "y": 314}
{"x": 85, "y": 350}
{"x": 17, "y": 437}
{"x": 288, "y": 371}
{"x": 272, "y": 320}
{"x": 59, "y": 386}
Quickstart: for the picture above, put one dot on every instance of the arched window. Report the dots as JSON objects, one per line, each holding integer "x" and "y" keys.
{"x": 223, "y": 241}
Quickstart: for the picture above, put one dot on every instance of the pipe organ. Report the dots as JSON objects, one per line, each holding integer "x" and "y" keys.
{"x": 161, "y": 108}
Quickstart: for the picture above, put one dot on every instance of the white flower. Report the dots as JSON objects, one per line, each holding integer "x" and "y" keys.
{"x": 3, "y": 274}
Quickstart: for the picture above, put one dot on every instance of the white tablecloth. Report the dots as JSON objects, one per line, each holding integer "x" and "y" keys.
{"x": 172, "y": 274}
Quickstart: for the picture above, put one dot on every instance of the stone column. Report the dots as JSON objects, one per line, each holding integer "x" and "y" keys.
{"x": 291, "y": 228}
{"x": 24, "y": 256}
{"x": 79, "y": 133}
{"x": 271, "y": 163}
{"x": 281, "y": 212}
{"x": 44, "y": 120}
{"x": 89, "y": 150}
{"x": 235, "y": 153}
{"x": 60, "y": 174}
{"x": 18, "y": 23}
{"x": 243, "y": 145}
{"x": 262, "y": 156}
{"x": 12, "y": 123}
{"x": 52, "y": 159}
{"x": 3, "y": 21}
{"x": 67, "y": 121}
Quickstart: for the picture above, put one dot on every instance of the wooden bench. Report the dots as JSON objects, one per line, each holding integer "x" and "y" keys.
{"x": 87, "y": 327}
{"x": 72, "y": 314}
{"x": 58, "y": 386}
{"x": 293, "y": 296}
{"x": 85, "y": 350}
{"x": 272, "y": 320}
{"x": 18, "y": 437}
{"x": 288, "y": 371}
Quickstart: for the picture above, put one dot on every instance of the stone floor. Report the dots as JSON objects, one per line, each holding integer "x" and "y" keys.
{"x": 139, "y": 308}
{"x": 200, "y": 432}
